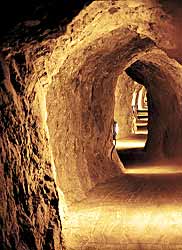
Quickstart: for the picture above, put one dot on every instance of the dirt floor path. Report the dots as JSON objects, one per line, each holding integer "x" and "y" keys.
{"x": 141, "y": 210}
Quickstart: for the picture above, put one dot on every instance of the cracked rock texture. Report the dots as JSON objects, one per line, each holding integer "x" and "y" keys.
{"x": 29, "y": 213}
{"x": 81, "y": 130}
{"x": 123, "y": 110}
{"x": 57, "y": 92}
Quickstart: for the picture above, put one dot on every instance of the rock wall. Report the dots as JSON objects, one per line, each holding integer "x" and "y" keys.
{"x": 79, "y": 66}
{"x": 123, "y": 112}
{"x": 81, "y": 111}
{"x": 162, "y": 78}
{"x": 123, "y": 108}
{"x": 29, "y": 214}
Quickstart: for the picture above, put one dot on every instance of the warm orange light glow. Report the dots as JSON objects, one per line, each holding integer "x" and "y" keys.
{"x": 106, "y": 224}
{"x": 141, "y": 132}
{"x": 128, "y": 144}
{"x": 139, "y": 210}
{"x": 160, "y": 169}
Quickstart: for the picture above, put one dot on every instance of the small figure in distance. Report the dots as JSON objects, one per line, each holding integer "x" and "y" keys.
{"x": 115, "y": 129}
{"x": 115, "y": 133}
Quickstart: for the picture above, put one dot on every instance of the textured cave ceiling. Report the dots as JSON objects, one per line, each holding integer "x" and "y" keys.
{"x": 29, "y": 19}
{"x": 59, "y": 76}
{"x": 108, "y": 36}
{"x": 38, "y": 19}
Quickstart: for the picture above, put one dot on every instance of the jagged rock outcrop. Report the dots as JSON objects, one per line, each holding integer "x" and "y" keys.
{"x": 57, "y": 107}
{"x": 29, "y": 212}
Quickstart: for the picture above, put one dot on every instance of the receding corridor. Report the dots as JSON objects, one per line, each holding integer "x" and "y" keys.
{"x": 139, "y": 210}
{"x": 91, "y": 125}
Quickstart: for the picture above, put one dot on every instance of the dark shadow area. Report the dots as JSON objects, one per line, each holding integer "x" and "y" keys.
{"x": 32, "y": 18}
{"x": 131, "y": 157}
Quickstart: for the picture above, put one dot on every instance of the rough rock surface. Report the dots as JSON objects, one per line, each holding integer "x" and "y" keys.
{"x": 71, "y": 73}
{"x": 81, "y": 137}
{"x": 162, "y": 78}
{"x": 123, "y": 109}
{"x": 29, "y": 214}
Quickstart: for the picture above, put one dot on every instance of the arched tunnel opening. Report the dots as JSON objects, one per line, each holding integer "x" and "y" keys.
{"x": 162, "y": 106}
{"x": 131, "y": 114}
{"x": 88, "y": 123}
{"x": 64, "y": 182}
{"x": 86, "y": 149}
{"x": 154, "y": 115}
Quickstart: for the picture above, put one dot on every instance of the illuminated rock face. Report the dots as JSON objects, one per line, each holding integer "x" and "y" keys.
{"x": 71, "y": 76}
{"x": 123, "y": 112}
{"x": 123, "y": 105}
{"x": 29, "y": 213}
{"x": 81, "y": 111}
{"x": 162, "y": 79}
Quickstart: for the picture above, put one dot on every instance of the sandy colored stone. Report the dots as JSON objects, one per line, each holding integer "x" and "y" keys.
{"x": 123, "y": 105}
{"x": 164, "y": 99}
{"x": 57, "y": 109}
{"x": 29, "y": 199}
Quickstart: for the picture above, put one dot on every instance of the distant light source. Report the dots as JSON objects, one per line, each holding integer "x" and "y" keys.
{"x": 154, "y": 169}
{"x": 127, "y": 143}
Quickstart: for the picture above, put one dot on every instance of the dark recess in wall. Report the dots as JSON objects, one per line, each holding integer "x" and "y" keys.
{"x": 46, "y": 14}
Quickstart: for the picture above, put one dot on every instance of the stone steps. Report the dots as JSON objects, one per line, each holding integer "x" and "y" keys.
{"x": 142, "y": 121}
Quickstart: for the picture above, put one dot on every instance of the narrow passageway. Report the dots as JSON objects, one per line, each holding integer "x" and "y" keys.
{"x": 131, "y": 149}
{"x": 70, "y": 72}
{"x": 139, "y": 210}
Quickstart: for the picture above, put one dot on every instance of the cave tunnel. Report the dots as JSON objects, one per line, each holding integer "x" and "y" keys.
{"x": 131, "y": 114}
{"x": 64, "y": 80}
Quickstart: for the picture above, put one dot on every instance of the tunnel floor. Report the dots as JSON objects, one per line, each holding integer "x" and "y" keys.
{"x": 140, "y": 210}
